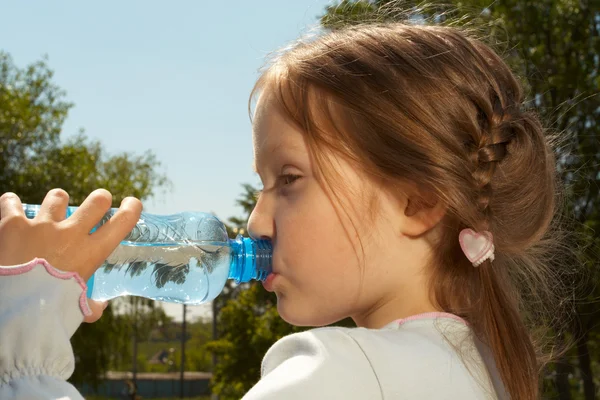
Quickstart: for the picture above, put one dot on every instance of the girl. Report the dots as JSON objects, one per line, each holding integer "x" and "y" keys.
{"x": 405, "y": 186}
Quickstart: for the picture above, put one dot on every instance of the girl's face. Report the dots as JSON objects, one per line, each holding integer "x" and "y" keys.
{"x": 320, "y": 273}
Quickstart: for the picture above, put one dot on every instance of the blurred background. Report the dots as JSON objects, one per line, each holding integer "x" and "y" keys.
{"x": 150, "y": 98}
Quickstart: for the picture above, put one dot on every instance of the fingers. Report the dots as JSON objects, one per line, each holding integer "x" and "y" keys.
{"x": 54, "y": 206}
{"x": 91, "y": 211}
{"x": 10, "y": 206}
{"x": 97, "y": 308}
{"x": 109, "y": 235}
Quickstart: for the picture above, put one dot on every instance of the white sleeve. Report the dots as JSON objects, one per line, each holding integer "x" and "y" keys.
{"x": 324, "y": 363}
{"x": 40, "y": 309}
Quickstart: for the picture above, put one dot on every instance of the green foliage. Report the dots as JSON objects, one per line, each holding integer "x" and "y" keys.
{"x": 349, "y": 12}
{"x": 107, "y": 344}
{"x": 32, "y": 111}
{"x": 197, "y": 355}
{"x": 33, "y": 160}
{"x": 162, "y": 398}
{"x": 165, "y": 336}
{"x": 97, "y": 346}
{"x": 248, "y": 326}
{"x": 81, "y": 165}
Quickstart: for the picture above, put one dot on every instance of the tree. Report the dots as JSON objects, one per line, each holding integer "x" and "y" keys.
{"x": 248, "y": 326}
{"x": 553, "y": 45}
{"x": 198, "y": 358}
{"x": 33, "y": 159}
{"x": 107, "y": 344}
{"x": 32, "y": 113}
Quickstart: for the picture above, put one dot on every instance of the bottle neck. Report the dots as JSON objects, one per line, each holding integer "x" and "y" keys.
{"x": 251, "y": 259}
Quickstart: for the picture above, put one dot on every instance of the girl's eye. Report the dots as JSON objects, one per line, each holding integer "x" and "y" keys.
{"x": 288, "y": 179}
{"x": 282, "y": 181}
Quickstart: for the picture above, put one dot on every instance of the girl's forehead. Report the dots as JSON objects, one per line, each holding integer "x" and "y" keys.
{"x": 270, "y": 127}
{"x": 277, "y": 138}
{"x": 273, "y": 134}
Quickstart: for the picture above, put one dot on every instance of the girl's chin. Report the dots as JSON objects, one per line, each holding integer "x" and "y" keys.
{"x": 291, "y": 314}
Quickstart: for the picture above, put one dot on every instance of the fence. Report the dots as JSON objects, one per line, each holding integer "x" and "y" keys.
{"x": 151, "y": 385}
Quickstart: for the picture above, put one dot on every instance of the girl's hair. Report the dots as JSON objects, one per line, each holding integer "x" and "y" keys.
{"x": 433, "y": 106}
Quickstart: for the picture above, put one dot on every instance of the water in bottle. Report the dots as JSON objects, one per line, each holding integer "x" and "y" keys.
{"x": 180, "y": 258}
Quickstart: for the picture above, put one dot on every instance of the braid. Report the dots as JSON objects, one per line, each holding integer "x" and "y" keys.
{"x": 497, "y": 132}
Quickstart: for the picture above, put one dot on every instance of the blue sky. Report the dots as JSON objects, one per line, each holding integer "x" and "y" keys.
{"x": 173, "y": 77}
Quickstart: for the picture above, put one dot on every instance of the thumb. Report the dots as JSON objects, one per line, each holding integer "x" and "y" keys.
{"x": 97, "y": 308}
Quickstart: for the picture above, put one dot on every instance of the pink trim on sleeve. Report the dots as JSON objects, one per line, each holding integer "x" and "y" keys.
{"x": 24, "y": 268}
{"x": 431, "y": 315}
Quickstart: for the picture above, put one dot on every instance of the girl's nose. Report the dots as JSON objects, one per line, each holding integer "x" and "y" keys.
{"x": 261, "y": 224}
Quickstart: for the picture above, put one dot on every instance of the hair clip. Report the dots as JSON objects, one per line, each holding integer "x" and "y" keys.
{"x": 477, "y": 246}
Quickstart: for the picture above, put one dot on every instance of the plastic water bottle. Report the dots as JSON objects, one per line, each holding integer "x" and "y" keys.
{"x": 181, "y": 258}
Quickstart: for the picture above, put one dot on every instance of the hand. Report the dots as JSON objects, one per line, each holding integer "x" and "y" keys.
{"x": 66, "y": 243}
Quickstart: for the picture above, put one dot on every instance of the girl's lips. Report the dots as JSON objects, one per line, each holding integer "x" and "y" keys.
{"x": 268, "y": 283}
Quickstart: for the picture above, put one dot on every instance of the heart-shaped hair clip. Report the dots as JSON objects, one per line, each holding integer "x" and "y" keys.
{"x": 477, "y": 246}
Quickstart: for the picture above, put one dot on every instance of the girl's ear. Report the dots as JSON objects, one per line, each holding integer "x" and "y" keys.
{"x": 422, "y": 212}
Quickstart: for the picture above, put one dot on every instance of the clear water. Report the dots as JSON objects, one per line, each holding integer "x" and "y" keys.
{"x": 179, "y": 258}
{"x": 191, "y": 273}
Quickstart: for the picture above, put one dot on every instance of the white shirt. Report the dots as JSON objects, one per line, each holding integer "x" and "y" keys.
{"x": 431, "y": 356}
